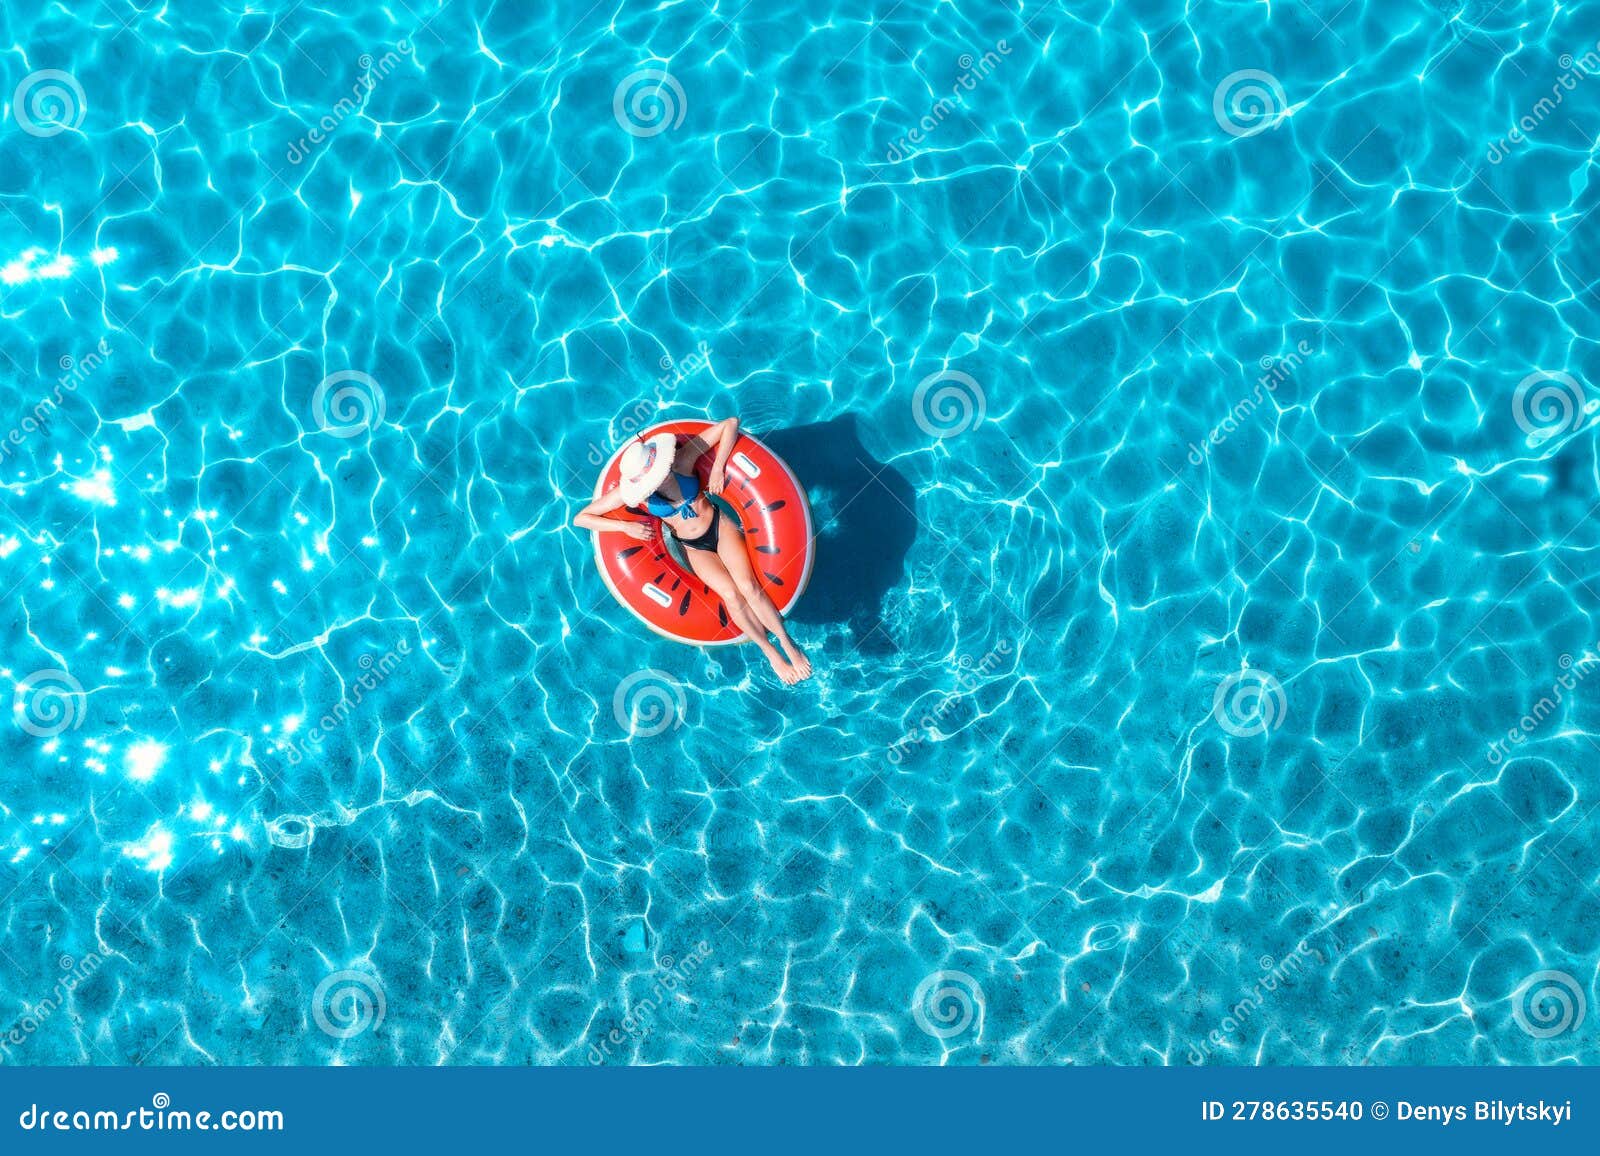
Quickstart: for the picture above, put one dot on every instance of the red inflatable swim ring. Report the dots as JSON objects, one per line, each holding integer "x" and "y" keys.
{"x": 771, "y": 507}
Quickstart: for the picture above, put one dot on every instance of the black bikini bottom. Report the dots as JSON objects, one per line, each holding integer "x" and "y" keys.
{"x": 708, "y": 540}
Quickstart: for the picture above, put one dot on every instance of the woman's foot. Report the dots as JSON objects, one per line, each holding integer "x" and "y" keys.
{"x": 797, "y": 657}
{"x": 786, "y": 673}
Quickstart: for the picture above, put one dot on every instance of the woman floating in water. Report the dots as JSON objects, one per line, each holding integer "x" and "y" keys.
{"x": 659, "y": 473}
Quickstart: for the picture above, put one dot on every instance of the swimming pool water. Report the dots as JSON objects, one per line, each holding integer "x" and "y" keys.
{"x": 1196, "y": 403}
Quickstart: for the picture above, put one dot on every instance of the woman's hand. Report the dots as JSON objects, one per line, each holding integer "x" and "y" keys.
{"x": 643, "y": 531}
{"x": 718, "y": 478}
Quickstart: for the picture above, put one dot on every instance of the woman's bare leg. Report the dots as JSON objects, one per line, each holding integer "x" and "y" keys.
{"x": 731, "y": 551}
{"x": 709, "y": 568}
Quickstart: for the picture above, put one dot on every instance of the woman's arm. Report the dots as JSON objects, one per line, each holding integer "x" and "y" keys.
{"x": 593, "y": 517}
{"x": 726, "y": 432}
{"x": 718, "y": 436}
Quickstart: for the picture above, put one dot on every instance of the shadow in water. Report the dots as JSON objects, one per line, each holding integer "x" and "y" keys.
{"x": 865, "y": 515}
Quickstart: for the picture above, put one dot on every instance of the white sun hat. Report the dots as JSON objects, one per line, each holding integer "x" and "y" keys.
{"x": 645, "y": 465}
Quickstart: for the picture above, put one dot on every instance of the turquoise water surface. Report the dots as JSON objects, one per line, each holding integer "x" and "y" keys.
{"x": 1197, "y": 401}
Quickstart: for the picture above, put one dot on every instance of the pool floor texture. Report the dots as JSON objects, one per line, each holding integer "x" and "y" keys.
{"x": 1198, "y": 402}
